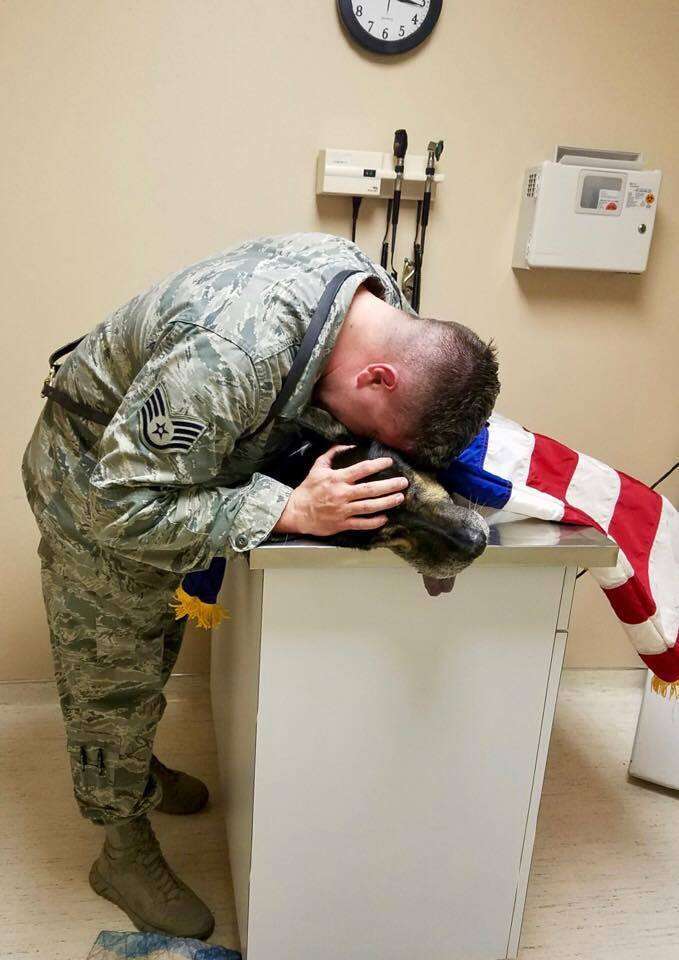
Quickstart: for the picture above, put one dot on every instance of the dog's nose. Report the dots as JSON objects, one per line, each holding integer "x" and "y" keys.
{"x": 473, "y": 542}
{"x": 466, "y": 541}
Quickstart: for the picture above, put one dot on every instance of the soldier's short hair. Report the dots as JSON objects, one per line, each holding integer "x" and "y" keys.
{"x": 453, "y": 389}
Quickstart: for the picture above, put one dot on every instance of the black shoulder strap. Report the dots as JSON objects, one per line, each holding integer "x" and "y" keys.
{"x": 62, "y": 351}
{"x": 68, "y": 403}
{"x": 80, "y": 409}
{"x": 309, "y": 341}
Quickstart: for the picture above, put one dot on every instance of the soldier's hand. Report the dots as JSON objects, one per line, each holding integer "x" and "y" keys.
{"x": 329, "y": 501}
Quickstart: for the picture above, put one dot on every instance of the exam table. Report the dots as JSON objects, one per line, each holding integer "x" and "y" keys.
{"x": 382, "y": 752}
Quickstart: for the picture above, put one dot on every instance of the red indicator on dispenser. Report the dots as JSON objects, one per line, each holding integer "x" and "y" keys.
{"x": 611, "y": 205}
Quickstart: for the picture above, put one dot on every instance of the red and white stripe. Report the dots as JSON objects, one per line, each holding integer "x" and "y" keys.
{"x": 553, "y": 482}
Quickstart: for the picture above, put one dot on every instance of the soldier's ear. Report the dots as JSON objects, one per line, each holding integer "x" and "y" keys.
{"x": 378, "y": 375}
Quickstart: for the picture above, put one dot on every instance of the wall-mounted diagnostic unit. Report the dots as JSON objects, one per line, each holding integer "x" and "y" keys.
{"x": 391, "y": 177}
{"x": 367, "y": 173}
{"x": 587, "y": 210}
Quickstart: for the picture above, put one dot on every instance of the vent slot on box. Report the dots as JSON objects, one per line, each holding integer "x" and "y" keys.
{"x": 532, "y": 185}
{"x": 587, "y": 156}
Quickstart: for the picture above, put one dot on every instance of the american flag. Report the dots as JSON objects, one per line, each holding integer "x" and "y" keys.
{"x": 508, "y": 467}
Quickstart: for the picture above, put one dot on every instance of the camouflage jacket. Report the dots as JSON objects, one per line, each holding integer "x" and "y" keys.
{"x": 188, "y": 370}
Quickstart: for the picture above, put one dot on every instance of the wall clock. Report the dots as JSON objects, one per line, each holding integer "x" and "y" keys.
{"x": 389, "y": 26}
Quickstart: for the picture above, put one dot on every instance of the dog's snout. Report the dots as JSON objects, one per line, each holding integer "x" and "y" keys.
{"x": 473, "y": 542}
{"x": 466, "y": 541}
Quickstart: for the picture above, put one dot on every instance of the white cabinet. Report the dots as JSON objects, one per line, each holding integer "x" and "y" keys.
{"x": 655, "y": 754}
{"x": 382, "y": 752}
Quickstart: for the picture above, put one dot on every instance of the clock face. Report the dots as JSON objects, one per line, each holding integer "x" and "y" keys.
{"x": 389, "y": 26}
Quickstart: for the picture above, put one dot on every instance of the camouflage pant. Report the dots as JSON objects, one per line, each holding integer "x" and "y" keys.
{"x": 115, "y": 642}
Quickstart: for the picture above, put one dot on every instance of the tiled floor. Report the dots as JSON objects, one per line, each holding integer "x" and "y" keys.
{"x": 603, "y": 885}
{"x": 604, "y": 878}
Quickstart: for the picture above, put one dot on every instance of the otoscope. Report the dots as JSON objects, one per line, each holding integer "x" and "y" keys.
{"x": 394, "y": 206}
{"x": 434, "y": 151}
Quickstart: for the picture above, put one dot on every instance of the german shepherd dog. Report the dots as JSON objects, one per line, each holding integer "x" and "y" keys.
{"x": 429, "y": 530}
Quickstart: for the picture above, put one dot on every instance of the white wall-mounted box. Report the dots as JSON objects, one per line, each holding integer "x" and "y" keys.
{"x": 369, "y": 173}
{"x": 587, "y": 210}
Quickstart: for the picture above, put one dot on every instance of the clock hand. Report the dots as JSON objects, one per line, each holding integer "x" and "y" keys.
{"x": 415, "y": 3}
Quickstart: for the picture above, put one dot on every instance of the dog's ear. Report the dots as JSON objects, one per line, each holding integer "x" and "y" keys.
{"x": 372, "y": 450}
{"x": 347, "y": 458}
{"x": 399, "y": 466}
{"x": 294, "y": 467}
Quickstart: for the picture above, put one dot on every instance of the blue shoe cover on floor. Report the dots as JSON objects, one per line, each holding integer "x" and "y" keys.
{"x": 154, "y": 946}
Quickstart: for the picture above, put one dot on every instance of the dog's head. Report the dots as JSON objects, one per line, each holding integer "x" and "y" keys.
{"x": 435, "y": 535}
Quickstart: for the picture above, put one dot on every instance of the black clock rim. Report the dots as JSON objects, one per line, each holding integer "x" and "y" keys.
{"x": 377, "y": 45}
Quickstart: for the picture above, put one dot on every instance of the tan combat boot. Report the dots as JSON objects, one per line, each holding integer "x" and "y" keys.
{"x": 132, "y": 872}
{"x": 182, "y": 793}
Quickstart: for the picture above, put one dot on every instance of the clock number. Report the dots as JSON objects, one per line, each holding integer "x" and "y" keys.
{"x": 384, "y": 26}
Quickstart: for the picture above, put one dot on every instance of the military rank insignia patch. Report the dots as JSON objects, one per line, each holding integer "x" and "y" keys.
{"x": 161, "y": 430}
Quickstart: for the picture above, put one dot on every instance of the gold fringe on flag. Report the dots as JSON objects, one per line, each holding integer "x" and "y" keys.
{"x": 664, "y": 688}
{"x": 206, "y": 615}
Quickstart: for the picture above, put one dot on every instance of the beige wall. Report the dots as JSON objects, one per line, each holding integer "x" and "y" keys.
{"x": 139, "y": 136}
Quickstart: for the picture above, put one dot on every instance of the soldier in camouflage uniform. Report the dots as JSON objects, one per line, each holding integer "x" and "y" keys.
{"x": 186, "y": 371}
